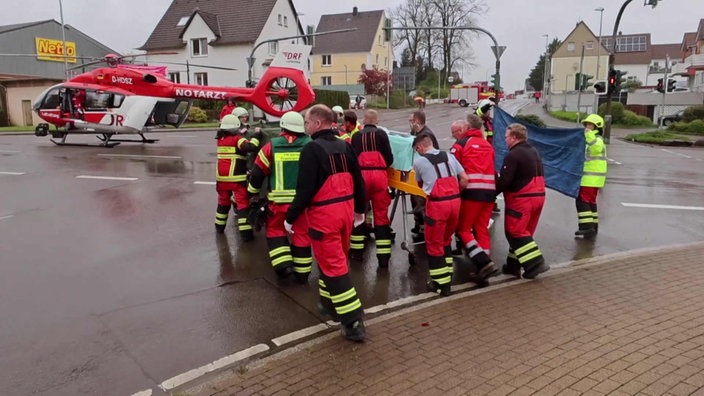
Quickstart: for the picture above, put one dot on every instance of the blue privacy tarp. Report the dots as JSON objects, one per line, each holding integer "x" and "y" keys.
{"x": 562, "y": 151}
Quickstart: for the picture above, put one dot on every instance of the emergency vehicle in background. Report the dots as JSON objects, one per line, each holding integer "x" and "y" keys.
{"x": 471, "y": 94}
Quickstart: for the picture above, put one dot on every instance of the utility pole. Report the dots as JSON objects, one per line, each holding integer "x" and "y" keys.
{"x": 664, "y": 91}
{"x": 579, "y": 85}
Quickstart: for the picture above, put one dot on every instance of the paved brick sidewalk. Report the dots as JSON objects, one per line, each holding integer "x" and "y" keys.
{"x": 632, "y": 324}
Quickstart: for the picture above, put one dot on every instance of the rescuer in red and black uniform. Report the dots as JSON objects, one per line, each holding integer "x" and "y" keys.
{"x": 231, "y": 175}
{"x": 437, "y": 173}
{"x": 477, "y": 158}
{"x": 484, "y": 112}
{"x": 374, "y": 156}
{"x": 278, "y": 160}
{"x": 330, "y": 191}
{"x": 521, "y": 180}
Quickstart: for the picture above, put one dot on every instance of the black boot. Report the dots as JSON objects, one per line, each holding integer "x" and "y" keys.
{"x": 535, "y": 269}
{"x": 442, "y": 290}
{"x": 354, "y": 331}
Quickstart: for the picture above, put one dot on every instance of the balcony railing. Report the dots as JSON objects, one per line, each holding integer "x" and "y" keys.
{"x": 696, "y": 61}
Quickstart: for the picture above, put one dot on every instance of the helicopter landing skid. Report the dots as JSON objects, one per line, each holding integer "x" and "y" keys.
{"x": 107, "y": 139}
{"x": 106, "y": 144}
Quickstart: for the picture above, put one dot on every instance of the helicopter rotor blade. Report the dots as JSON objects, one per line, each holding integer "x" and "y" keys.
{"x": 196, "y": 65}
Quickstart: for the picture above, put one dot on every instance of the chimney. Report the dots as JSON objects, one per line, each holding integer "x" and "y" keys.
{"x": 354, "y": 11}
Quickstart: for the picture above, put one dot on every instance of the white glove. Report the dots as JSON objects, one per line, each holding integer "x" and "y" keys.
{"x": 288, "y": 227}
{"x": 358, "y": 219}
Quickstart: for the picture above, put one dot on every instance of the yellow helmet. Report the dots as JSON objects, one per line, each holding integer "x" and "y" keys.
{"x": 230, "y": 122}
{"x": 594, "y": 119}
{"x": 292, "y": 121}
{"x": 239, "y": 112}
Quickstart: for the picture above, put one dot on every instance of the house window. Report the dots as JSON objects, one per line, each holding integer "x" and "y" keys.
{"x": 182, "y": 21}
{"x": 285, "y": 21}
{"x": 175, "y": 77}
{"x": 199, "y": 47}
{"x": 201, "y": 78}
{"x": 377, "y": 59}
{"x": 279, "y": 19}
{"x": 590, "y": 45}
{"x": 327, "y": 60}
{"x": 570, "y": 46}
{"x": 273, "y": 48}
{"x": 326, "y": 80}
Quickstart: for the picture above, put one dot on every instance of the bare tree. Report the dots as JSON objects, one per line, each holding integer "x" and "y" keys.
{"x": 441, "y": 49}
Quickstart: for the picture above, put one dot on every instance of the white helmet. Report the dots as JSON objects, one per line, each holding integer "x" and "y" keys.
{"x": 230, "y": 122}
{"x": 239, "y": 112}
{"x": 292, "y": 121}
{"x": 338, "y": 110}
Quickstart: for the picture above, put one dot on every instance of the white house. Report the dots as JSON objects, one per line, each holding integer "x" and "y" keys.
{"x": 206, "y": 35}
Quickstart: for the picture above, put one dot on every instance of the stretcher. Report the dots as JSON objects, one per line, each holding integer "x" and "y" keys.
{"x": 402, "y": 179}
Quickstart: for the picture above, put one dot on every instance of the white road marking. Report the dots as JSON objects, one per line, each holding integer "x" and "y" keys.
{"x": 140, "y": 156}
{"x": 107, "y": 178}
{"x": 186, "y": 136}
{"x": 10, "y": 151}
{"x": 147, "y": 392}
{"x": 672, "y": 152}
{"x": 653, "y": 206}
{"x": 614, "y": 161}
{"x": 205, "y": 183}
{"x": 297, "y": 335}
{"x": 13, "y": 173}
{"x": 188, "y": 376}
{"x": 6, "y": 217}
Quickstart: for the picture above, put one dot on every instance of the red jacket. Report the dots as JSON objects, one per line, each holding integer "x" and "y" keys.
{"x": 476, "y": 156}
{"x": 227, "y": 109}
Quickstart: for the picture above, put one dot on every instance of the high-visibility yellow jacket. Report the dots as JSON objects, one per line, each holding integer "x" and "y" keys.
{"x": 595, "y": 166}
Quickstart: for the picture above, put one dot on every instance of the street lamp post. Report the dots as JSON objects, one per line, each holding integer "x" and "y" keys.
{"x": 545, "y": 68}
{"x": 598, "y": 57}
{"x": 598, "y": 47}
{"x": 345, "y": 76}
{"x": 63, "y": 38}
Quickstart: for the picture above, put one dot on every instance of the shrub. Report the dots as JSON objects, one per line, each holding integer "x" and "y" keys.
{"x": 332, "y": 98}
{"x": 695, "y": 127}
{"x": 530, "y": 119}
{"x": 693, "y": 113}
{"x": 616, "y": 111}
{"x": 632, "y": 119}
{"x": 678, "y": 126}
{"x": 197, "y": 115}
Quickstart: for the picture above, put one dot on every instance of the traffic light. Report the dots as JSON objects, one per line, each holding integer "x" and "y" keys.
{"x": 310, "y": 38}
{"x": 585, "y": 81}
{"x": 388, "y": 24}
{"x": 619, "y": 79}
{"x": 600, "y": 87}
{"x": 578, "y": 81}
{"x": 612, "y": 81}
{"x": 493, "y": 81}
{"x": 671, "y": 85}
{"x": 660, "y": 88}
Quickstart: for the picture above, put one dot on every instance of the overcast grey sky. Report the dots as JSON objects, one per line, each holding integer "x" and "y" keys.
{"x": 516, "y": 24}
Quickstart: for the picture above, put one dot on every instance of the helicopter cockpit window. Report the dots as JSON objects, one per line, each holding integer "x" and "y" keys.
{"x": 52, "y": 100}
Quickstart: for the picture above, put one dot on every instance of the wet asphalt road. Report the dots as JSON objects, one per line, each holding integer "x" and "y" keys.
{"x": 112, "y": 286}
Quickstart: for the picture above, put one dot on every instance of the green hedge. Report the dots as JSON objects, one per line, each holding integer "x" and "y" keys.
{"x": 567, "y": 115}
{"x": 617, "y": 110}
{"x": 695, "y": 127}
{"x": 658, "y": 137}
{"x": 693, "y": 113}
{"x": 632, "y": 119}
{"x": 332, "y": 98}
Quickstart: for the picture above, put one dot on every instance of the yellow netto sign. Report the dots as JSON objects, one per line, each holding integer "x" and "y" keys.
{"x": 53, "y": 50}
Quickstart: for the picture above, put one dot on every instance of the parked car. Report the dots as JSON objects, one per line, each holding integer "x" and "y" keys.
{"x": 671, "y": 119}
{"x": 362, "y": 103}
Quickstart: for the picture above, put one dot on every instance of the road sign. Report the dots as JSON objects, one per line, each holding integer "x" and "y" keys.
{"x": 498, "y": 51}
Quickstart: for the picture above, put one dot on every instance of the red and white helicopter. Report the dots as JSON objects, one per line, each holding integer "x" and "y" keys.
{"x": 125, "y": 99}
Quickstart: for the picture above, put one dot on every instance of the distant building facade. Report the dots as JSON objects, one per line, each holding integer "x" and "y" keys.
{"x": 37, "y": 64}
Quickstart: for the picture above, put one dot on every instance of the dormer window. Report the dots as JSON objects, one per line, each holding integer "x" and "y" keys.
{"x": 182, "y": 21}
{"x": 199, "y": 47}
